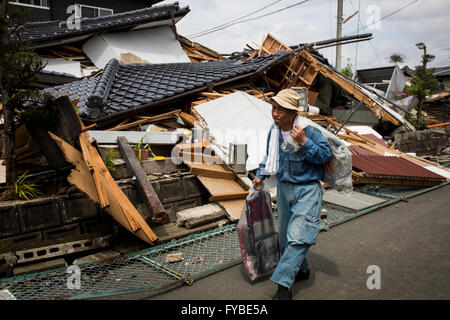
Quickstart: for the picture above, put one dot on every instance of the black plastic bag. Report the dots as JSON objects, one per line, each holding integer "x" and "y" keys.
{"x": 257, "y": 234}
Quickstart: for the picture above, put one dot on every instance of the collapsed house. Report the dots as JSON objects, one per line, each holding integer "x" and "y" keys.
{"x": 172, "y": 97}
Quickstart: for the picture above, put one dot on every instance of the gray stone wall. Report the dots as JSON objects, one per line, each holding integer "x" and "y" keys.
{"x": 26, "y": 223}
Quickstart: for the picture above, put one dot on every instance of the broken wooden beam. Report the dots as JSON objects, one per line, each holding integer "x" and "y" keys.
{"x": 228, "y": 196}
{"x": 120, "y": 207}
{"x": 144, "y": 187}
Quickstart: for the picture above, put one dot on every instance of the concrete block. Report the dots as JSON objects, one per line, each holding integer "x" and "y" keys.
{"x": 52, "y": 250}
{"x": 187, "y": 204}
{"x": 192, "y": 187}
{"x": 39, "y": 214}
{"x": 100, "y": 227}
{"x": 150, "y": 166}
{"x": 7, "y": 263}
{"x": 132, "y": 194}
{"x": 61, "y": 233}
{"x": 9, "y": 221}
{"x": 170, "y": 190}
{"x": 77, "y": 208}
{"x": 194, "y": 217}
{"x": 170, "y": 212}
{"x": 20, "y": 241}
{"x": 40, "y": 266}
{"x": 423, "y": 142}
{"x": 99, "y": 256}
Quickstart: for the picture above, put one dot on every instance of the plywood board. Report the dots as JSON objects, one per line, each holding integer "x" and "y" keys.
{"x": 223, "y": 189}
{"x": 217, "y": 185}
{"x": 233, "y": 208}
{"x": 210, "y": 170}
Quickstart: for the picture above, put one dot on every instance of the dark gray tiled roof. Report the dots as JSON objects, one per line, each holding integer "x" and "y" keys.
{"x": 442, "y": 72}
{"x": 374, "y": 75}
{"x": 126, "y": 88}
{"x": 43, "y": 32}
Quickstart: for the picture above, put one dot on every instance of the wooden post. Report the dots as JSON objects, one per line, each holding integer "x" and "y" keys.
{"x": 144, "y": 187}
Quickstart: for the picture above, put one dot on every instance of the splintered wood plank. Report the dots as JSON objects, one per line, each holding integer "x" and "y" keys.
{"x": 85, "y": 147}
{"x": 210, "y": 170}
{"x": 233, "y": 208}
{"x": 120, "y": 208}
{"x": 228, "y": 196}
{"x": 80, "y": 176}
{"x": 127, "y": 209}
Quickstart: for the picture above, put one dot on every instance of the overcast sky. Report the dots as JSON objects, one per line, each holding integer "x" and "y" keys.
{"x": 423, "y": 21}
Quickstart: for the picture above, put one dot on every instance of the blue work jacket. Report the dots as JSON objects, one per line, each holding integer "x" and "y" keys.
{"x": 306, "y": 164}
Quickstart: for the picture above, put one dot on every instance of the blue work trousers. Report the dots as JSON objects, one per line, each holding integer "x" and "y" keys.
{"x": 299, "y": 207}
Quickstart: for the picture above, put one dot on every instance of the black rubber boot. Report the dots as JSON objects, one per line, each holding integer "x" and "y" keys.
{"x": 283, "y": 293}
{"x": 302, "y": 276}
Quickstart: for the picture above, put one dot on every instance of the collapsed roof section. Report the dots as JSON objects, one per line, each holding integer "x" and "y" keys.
{"x": 124, "y": 90}
{"x": 303, "y": 69}
{"x": 50, "y": 33}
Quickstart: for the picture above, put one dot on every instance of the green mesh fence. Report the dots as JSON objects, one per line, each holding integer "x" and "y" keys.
{"x": 147, "y": 270}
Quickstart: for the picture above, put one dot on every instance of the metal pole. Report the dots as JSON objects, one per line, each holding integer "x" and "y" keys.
{"x": 351, "y": 113}
{"x": 339, "y": 33}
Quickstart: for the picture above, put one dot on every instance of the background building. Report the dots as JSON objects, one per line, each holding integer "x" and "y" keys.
{"x": 46, "y": 10}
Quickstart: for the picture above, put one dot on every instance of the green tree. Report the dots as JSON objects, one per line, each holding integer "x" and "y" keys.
{"x": 396, "y": 58}
{"x": 19, "y": 66}
{"x": 424, "y": 83}
{"x": 347, "y": 71}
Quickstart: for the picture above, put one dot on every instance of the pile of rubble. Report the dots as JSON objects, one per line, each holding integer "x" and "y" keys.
{"x": 197, "y": 122}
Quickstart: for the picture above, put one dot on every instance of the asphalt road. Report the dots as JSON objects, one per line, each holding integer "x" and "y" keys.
{"x": 408, "y": 241}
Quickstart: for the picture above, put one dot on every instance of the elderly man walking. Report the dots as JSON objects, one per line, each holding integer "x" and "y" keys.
{"x": 297, "y": 157}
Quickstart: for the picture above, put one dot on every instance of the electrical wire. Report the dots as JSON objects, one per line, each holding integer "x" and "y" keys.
{"x": 254, "y": 18}
{"x": 392, "y": 13}
{"x": 234, "y": 20}
{"x": 370, "y": 41}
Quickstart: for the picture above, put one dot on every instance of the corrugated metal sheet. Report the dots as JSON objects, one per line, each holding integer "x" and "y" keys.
{"x": 391, "y": 166}
{"x": 374, "y": 138}
{"x": 359, "y": 150}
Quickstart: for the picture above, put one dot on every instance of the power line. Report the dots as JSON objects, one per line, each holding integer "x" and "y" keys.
{"x": 392, "y": 13}
{"x": 234, "y": 20}
{"x": 370, "y": 41}
{"x": 252, "y": 19}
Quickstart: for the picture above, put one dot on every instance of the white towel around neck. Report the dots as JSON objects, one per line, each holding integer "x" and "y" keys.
{"x": 271, "y": 167}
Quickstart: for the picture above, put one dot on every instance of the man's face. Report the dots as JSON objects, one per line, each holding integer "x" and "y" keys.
{"x": 281, "y": 116}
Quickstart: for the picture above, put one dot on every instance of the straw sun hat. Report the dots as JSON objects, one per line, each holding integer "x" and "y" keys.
{"x": 288, "y": 99}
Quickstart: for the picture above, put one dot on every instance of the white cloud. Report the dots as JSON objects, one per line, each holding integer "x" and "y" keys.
{"x": 424, "y": 21}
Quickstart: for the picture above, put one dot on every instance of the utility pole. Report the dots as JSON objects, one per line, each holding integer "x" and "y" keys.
{"x": 340, "y": 10}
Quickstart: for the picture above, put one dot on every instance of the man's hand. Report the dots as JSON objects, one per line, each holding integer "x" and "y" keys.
{"x": 298, "y": 135}
{"x": 257, "y": 182}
